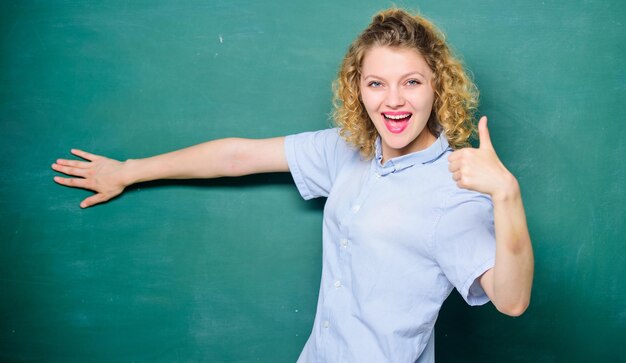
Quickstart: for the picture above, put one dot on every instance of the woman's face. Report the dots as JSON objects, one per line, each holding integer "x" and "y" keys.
{"x": 398, "y": 96}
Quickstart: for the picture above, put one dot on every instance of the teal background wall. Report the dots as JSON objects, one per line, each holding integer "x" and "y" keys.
{"x": 228, "y": 270}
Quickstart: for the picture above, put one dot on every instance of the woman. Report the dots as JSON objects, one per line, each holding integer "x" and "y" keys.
{"x": 410, "y": 213}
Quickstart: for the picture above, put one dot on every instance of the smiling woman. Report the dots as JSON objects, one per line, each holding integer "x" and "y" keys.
{"x": 457, "y": 96}
{"x": 397, "y": 93}
{"x": 410, "y": 214}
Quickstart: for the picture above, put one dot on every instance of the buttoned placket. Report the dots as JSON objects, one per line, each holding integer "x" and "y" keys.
{"x": 336, "y": 293}
{"x": 336, "y": 281}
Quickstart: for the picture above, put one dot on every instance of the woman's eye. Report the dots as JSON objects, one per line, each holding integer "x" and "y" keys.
{"x": 413, "y": 82}
{"x": 374, "y": 84}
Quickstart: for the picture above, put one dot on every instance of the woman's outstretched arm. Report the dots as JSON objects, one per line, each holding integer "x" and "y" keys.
{"x": 508, "y": 284}
{"x": 213, "y": 159}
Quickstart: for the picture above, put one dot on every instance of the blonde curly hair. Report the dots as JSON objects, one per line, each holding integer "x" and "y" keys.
{"x": 456, "y": 96}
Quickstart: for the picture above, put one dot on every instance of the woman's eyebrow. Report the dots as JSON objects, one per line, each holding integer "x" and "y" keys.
{"x": 403, "y": 76}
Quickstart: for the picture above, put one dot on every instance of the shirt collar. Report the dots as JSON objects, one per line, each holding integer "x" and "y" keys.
{"x": 426, "y": 156}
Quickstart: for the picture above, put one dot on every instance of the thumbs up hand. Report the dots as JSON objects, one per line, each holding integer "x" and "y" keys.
{"x": 480, "y": 169}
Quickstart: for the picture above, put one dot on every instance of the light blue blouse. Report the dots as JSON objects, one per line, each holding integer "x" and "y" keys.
{"x": 396, "y": 239}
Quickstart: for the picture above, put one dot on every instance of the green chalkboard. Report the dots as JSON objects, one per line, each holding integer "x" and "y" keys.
{"x": 228, "y": 270}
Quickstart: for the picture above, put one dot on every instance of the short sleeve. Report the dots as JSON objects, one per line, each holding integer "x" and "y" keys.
{"x": 464, "y": 243}
{"x": 314, "y": 160}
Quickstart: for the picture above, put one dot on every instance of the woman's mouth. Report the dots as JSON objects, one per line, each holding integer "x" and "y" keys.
{"x": 396, "y": 122}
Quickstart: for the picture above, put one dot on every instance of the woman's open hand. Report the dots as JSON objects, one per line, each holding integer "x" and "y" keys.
{"x": 480, "y": 169}
{"x": 99, "y": 174}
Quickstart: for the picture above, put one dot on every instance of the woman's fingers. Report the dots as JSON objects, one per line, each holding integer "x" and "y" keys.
{"x": 69, "y": 170}
{"x": 73, "y": 182}
{"x": 93, "y": 200}
{"x": 85, "y": 155}
{"x": 74, "y": 163}
{"x": 454, "y": 166}
{"x": 75, "y": 167}
{"x": 460, "y": 158}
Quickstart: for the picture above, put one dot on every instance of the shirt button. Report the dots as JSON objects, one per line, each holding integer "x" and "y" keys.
{"x": 344, "y": 242}
{"x": 326, "y": 324}
{"x": 377, "y": 175}
{"x": 355, "y": 208}
{"x": 337, "y": 284}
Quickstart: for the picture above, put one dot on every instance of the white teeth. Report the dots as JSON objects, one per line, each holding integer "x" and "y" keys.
{"x": 397, "y": 117}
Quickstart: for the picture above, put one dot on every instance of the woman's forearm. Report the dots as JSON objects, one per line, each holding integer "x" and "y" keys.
{"x": 514, "y": 264}
{"x": 218, "y": 158}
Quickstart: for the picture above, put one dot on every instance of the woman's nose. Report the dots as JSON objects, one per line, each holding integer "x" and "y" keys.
{"x": 394, "y": 98}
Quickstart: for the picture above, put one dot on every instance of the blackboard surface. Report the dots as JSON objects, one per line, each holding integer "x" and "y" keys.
{"x": 228, "y": 270}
